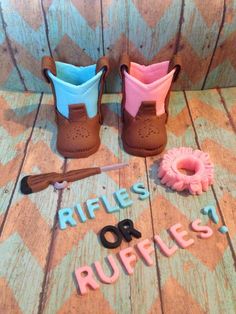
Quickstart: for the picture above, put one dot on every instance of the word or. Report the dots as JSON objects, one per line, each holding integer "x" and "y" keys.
{"x": 125, "y": 229}
{"x": 210, "y": 210}
{"x": 128, "y": 257}
{"x": 121, "y": 197}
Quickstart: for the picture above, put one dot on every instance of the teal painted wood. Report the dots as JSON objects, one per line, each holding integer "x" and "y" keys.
{"x": 17, "y": 114}
{"x": 202, "y": 278}
{"x": 143, "y": 299}
{"x": 81, "y": 31}
{"x": 27, "y": 38}
{"x": 229, "y": 98}
{"x": 216, "y": 135}
{"x": 153, "y": 33}
{"x": 9, "y": 72}
{"x": 115, "y": 32}
{"x": 74, "y": 31}
{"x": 199, "y": 31}
{"x": 222, "y": 68}
{"x": 129, "y": 28}
{"x": 26, "y": 235}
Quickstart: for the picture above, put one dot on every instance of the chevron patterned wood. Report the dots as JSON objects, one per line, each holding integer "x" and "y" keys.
{"x": 200, "y": 34}
{"x": 18, "y": 112}
{"x": 38, "y": 259}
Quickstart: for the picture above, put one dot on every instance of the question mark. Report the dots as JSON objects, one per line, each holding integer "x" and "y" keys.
{"x": 210, "y": 210}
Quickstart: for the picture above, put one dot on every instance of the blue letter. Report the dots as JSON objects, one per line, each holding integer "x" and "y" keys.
{"x": 65, "y": 217}
{"x": 80, "y": 213}
{"x": 139, "y": 188}
{"x": 92, "y": 205}
{"x": 123, "y": 198}
{"x": 107, "y": 205}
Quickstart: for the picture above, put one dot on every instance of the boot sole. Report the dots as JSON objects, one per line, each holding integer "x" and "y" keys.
{"x": 80, "y": 154}
{"x": 141, "y": 152}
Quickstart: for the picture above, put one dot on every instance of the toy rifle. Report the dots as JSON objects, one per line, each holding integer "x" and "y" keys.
{"x": 39, "y": 182}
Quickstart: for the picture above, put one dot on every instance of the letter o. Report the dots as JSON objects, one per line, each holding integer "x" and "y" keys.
{"x": 113, "y": 230}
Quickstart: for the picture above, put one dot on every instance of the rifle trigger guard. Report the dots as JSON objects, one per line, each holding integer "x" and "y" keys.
{"x": 60, "y": 185}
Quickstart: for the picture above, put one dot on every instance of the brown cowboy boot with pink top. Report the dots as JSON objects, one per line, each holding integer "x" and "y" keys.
{"x": 146, "y": 91}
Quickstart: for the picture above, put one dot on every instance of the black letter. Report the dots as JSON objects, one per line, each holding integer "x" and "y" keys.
{"x": 116, "y": 232}
{"x": 126, "y": 227}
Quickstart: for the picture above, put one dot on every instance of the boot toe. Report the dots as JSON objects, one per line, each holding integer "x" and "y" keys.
{"x": 76, "y": 139}
{"x": 146, "y": 135}
{"x": 80, "y": 139}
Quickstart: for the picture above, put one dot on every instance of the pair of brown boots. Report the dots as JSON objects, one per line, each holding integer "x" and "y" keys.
{"x": 78, "y": 92}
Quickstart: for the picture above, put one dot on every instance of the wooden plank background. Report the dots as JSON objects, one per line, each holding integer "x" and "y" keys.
{"x": 38, "y": 259}
{"x": 201, "y": 34}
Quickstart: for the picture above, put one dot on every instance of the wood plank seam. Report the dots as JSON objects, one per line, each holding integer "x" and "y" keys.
{"x": 212, "y": 188}
{"x": 119, "y": 125}
{"x": 21, "y": 165}
{"x": 103, "y": 43}
{"x": 102, "y": 24}
{"x": 223, "y": 219}
{"x": 216, "y": 44}
{"x": 181, "y": 20}
{"x": 226, "y": 109}
{"x": 13, "y": 59}
{"x": 153, "y": 232}
{"x": 43, "y": 294}
{"x": 127, "y": 21}
{"x": 46, "y": 27}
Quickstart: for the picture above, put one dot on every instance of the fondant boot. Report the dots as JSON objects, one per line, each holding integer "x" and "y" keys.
{"x": 146, "y": 91}
{"x": 77, "y": 96}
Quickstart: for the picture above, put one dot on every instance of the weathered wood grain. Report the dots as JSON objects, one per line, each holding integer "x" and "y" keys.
{"x": 74, "y": 30}
{"x": 26, "y": 234}
{"x": 222, "y": 69}
{"x": 153, "y": 33}
{"x": 143, "y": 299}
{"x": 200, "y": 279}
{"x": 9, "y": 70}
{"x": 215, "y": 134}
{"x": 129, "y": 27}
{"x": 199, "y": 31}
{"x": 17, "y": 115}
{"x": 228, "y": 97}
{"x": 27, "y": 41}
{"x": 193, "y": 279}
{"x": 115, "y": 37}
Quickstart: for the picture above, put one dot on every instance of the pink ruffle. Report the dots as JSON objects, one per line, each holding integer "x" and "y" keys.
{"x": 186, "y": 158}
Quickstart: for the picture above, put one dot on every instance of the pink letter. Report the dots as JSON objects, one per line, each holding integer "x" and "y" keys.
{"x": 164, "y": 248}
{"x": 84, "y": 276}
{"x": 179, "y": 236}
{"x": 128, "y": 257}
{"x": 206, "y": 232}
{"x": 145, "y": 248}
{"x": 101, "y": 274}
